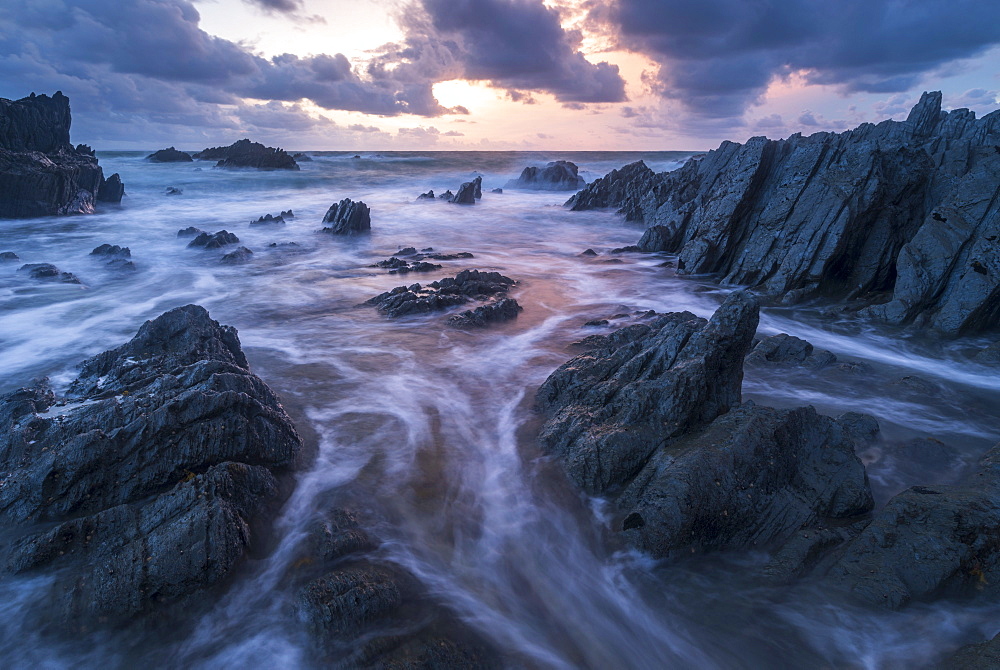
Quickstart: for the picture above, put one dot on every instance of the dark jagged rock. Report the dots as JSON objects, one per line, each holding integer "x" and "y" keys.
{"x": 625, "y": 250}
{"x": 348, "y": 218}
{"x": 429, "y": 195}
{"x": 407, "y": 251}
{"x": 445, "y": 257}
{"x": 465, "y": 286}
{"x": 497, "y": 190}
{"x": 237, "y": 257}
{"x": 556, "y": 176}
{"x": 169, "y": 155}
{"x": 652, "y": 414}
{"x": 111, "y": 189}
{"x": 989, "y": 355}
{"x": 622, "y": 189}
{"x": 447, "y": 195}
{"x": 172, "y": 190}
{"x": 587, "y": 253}
{"x": 656, "y": 238}
{"x": 9, "y": 257}
{"x": 784, "y": 348}
{"x": 115, "y": 257}
{"x": 302, "y": 158}
{"x": 466, "y": 193}
{"x": 981, "y": 656}
{"x": 48, "y": 272}
{"x": 269, "y": 220}
{"x": 247, "y": 154}
{"x": 41, "y": 173}
{"x": 213, "y": 241}
{"x": 482, "y": 316}
{"x": 287, "y": 214}
{"x": 190, "y": 231}
{"x": 901, "y": 219}
{"x": 399, "y": 266}
{"x": 147, "y": 477}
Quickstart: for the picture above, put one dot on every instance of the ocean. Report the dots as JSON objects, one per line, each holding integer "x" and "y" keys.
{"x": 426, "y": 431}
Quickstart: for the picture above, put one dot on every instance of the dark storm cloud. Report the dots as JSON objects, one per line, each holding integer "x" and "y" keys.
{"x": 285, "y": 6}
{"x": 718, "y": 56}
{"x": 517, "y": 45}
{"x": 150, "y": 60}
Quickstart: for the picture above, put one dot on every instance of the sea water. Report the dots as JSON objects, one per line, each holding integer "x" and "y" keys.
{"x": 427, "y": 432}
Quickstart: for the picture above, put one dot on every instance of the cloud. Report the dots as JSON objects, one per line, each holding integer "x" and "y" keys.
{"x": 717, "y": 57}
{"x": 517, "y": 45}
{"x": 806, "y": 118}
{"x": 453, "y": 133}
{"x": 284, "y": 6}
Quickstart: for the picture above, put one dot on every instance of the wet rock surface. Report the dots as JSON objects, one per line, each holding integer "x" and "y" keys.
{"x": 169, "y": 155}
{"x": 484, "y": 315}
{"x": 115, "y": 257}
{"x": 48, "y": 272}
{"x": 269, "y": 220}
{"x": 139, "y": 488}
{"x": 41, "y": 173}
{"x": 900, "y": 219}
{"x": 216, "y": 240}
{"x": 348, "y": 217}
{"x": 555, "y": 176}
{"x": 466, "y": 286}
{"x": 237, "y": 257}
{"x": 247, "y": 154}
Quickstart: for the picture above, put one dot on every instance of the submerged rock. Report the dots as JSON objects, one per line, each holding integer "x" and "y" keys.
{"x": 788, "y": 349}
{"x": 269, "y": 220}
{"x": 169, "y": 155}
{"x": 190, "y": 231}
{"x": 348, "y": 218}
{"x": 465, "y": 286}
{"x": 652, "y": 415}
{"x": 429, "y": 195}
{"x": 213, "y": 241}
{"x": 237, "y": 257}
{"x": 41, "y": 173}
{"x": 171, "y": 190}
{"x": 148, "y": 476}
{"x": 504, "y": 309}
{"x": 48, "y": 272}
{"x": 9, "y": 257}
{"x": 900, "y": 218}
{"x": 556, "y": 176}
{"x": 247, "y": 154}
{"x": 115, "y": 257}
{"x": 399, "y": 266}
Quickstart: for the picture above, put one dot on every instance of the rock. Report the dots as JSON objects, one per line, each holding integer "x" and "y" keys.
{"x": 625, "y": 250}
{"x": 928, "y": 542}
{"x": 247, "y": 154}
{"x": 287, "y": 214}
{"x": 9, "y": 256}
{"x": 348, "y": 218}
{"x": 445, "y": 257}
{"x": 623, "y": 189}
{"x": 656, "y": 238}
{"x": 447, "y": 195}
{"x": 556, "y": 176}
{"x": 399, "y": 266}
{"x": 596, "y": 323}
{"x": 190, "y": 231}
{"x": 148, "y": 479}
{"x": 171, "y": 190}
{"x": 990, "y": 355}
{"x": 115, "y": 257}
{"x": 900, "y": 218}
{"x": 467, "y": 193}
{"x": 269, "y": 220}
{"x": 981, "y": 656}
{"x": 213, "y": 241}
{"x": 416, "y": 299}
{"x": 407, "y": 251}
{"x": 41, "y": 173}
{"x": 787, "y": 349}
{"x": 169, "y": 155}
{"x": 241, "y": 255}
{"x": 301, "y": 158}
{"x": 497, "y": 190}
{"x": 111, "y": 189}
{"x": 925, "y": 459}
{"x": 48, "y": 272}
{"x": 429, "y": 195}
{"x": 652, "y": 415}
{"x": 587, "y": 252}
{"x": 504, "y": 309}
{"x": 355, "y": 156}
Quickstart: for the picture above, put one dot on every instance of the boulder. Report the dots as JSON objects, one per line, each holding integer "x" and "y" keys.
{"x": 898, "y": 219}
{"x": 239, "y": 256}
{"x": 140, "y": 488}
{"x": 652, "y": 416}
{"x": 465, "y": 286}
{"x": 302, "y": 158}
{"x": 429, "y": 195}
{"x": 247, "y": 154}
{"x": 496, "y": 190}
{"x": 348, "y": 218}
{"x": 173, "y": 190}
{"x": 556, "y": 176}
{"x": 213, "y": 241}
{"x": 190, "y": 231}
{"x": 467, "y": 193}
{"x": 447, "y": 195}
{"x": 788, "y": 349}
{"x": 115, "y": 257}
{"x": 48, "y": 272}
{"x": 41, "y": 173}
{"x": 504, "y": 309}
{"x": 9, "y": 257}
{"x": 269, "y": 220}
{"x": 169, "y": 155}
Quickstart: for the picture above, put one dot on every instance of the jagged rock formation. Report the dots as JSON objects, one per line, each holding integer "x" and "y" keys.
{"x": 169, "y": 155}
{"x": 399, "y": 266}
{"x": 465, "y": 286}
{"x": 9, "y": 257}
{"x": 211, "y": 241}
{"x": 247, "y": 154}
{"x": 556, "y": 176}
{"x": 348, "y": 218}
{"x": 190, "y": 231}
{"x": 902, "y": 218}
{"x": 115, "y": 257}
{"x": 239, "y": 256}
{"x": 48, "y": 272}
{"x": 41, "y": 173}
{"x": 139, "y": 488}
{"x": 504, "y": 309}
{"x": 469, "y": 192}
{"x": 269, "y": 220}
{"x": 652, "y": 416}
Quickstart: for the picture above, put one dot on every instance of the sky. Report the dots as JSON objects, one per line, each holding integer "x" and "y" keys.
{"x": 641, "y": 75}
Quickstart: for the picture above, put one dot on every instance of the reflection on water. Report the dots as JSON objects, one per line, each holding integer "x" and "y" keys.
{"x": 426, "y": 430}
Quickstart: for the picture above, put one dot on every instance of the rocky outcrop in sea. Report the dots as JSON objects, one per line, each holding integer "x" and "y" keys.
{"x": 899, "y": 220}
{"x": 466, "y": 286}
{"x": 348, "y": 217}
{"x": 247, "y": 154}
{"x": 556, "y": 176}
{"x": 41, "y": 173}
{"x": 169, "y": 155}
